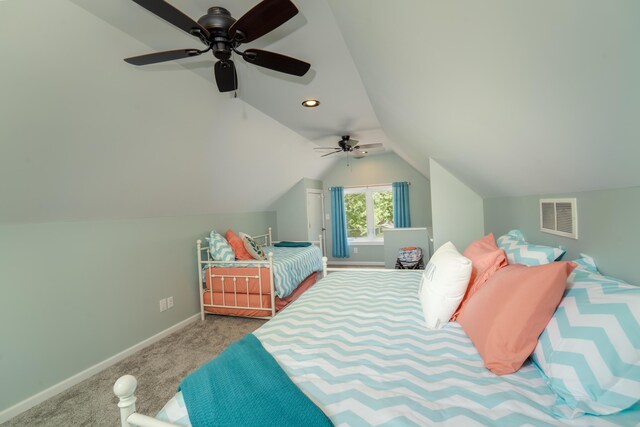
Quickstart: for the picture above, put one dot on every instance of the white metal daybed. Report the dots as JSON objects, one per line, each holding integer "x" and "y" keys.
{"x": 256, "y": 288}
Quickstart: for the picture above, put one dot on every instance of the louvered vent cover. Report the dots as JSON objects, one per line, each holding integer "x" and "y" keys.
{"x": 559, "y": 216}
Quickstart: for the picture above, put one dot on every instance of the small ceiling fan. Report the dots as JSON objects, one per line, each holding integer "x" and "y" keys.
{"x": 348, "y": 145}
{"x": 222, "y": 34}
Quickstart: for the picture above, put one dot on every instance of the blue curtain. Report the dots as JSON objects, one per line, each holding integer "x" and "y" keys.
{"x": 340, "y": 247}
{"x": 401, "y": 216}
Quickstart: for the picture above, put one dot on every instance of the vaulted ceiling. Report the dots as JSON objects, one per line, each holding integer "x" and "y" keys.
{"x": 513, "y": 97}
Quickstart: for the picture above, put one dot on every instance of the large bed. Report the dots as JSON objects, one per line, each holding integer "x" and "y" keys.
{"x": 356, "y": 345}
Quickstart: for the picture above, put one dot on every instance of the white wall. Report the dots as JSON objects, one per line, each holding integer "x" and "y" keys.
{"x": 77, "y": 293}
{"x": 457, "y": 211}
{"x": 291, "y": 210}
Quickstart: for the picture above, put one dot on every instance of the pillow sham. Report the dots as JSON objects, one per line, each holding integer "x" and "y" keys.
{"x": 237, "y": 245}
{"x": 590, "y": 350}
{"x": 219, "y": 249}
{"x": 507, "y": 314}
{"x": 519, "y": 251}
{"x": 443, "y": 285}
{"x": 253, "y": 248}
{"x": 486, "y": 259}
{"x": 586, "y": 263}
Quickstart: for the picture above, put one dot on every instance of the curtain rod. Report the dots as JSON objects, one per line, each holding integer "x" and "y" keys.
{"x": 369, "y": 186}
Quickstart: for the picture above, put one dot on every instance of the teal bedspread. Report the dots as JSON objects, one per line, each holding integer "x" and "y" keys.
{"x": 285, "y": 244}
{"x": 245, "y": 386}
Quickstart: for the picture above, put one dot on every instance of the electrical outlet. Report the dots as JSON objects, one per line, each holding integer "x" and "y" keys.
{"x": 169, "y": 302}
{"x": 163, "y": 304}
{"x": 355, "y": 249}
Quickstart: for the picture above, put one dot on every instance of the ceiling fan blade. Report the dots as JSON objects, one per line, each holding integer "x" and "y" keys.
{"x": 328, "y": 148}
{"x": 169, "y": 55}
{"x": 261, "y": 19}
{"x": 172, "y": 15}
{"x": 276, "y": 61}
{"x": 368, "y": 146}
{"x": 226, "y": 76}
{"x": 335, "y": 152}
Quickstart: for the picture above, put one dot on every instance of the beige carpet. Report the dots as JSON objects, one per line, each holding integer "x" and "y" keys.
{"x": 158, "y": 368}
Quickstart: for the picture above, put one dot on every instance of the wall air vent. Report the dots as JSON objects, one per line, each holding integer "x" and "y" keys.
{"x": 559, "y": 216}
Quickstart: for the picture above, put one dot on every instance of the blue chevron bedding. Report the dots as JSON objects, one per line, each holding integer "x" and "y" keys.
{"x": 290, "y": 266}
{"x": 356, "y": 344}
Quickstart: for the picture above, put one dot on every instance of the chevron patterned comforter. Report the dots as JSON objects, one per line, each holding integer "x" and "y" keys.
{"x": 292, "y": 265}
{"x": 356, "y": 344}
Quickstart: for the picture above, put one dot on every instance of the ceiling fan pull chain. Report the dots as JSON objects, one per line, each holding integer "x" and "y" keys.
{"x": 235, "y": 77}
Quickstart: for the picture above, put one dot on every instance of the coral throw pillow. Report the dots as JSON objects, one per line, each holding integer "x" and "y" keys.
{"x": 486, "y": 259}
{"x": 237, "y": 245}
{"x": 509, "y": 312}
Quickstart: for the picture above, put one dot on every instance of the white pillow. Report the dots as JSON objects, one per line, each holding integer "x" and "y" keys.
{"x": 444, "y": 283}
{"x": 254, "y": 249}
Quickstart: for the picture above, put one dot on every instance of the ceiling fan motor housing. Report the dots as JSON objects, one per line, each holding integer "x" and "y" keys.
{"x": 217, "y": 21}
{"x": 346, "y": 143}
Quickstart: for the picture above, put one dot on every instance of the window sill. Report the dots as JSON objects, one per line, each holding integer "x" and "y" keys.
{"x": 366, "y": 242}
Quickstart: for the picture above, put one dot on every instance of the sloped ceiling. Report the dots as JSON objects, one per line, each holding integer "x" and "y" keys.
{"x": 513, "y": 97}
{"x": 83, "y": 135}
{"x": 312, "y": 35}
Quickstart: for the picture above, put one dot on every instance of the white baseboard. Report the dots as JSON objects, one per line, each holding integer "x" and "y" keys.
{"x": 32, "y": 401}
{"x": 367, "y": 263}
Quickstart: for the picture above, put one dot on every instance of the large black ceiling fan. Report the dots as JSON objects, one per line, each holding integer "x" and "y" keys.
{"x": 222, "y": 35}
{"x": 353, "y": 146}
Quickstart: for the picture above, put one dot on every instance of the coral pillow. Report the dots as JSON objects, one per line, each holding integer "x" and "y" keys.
{"x": 507, "y": 315}
{"x": 237, "y": 245}
{"x": 486, "y": 259}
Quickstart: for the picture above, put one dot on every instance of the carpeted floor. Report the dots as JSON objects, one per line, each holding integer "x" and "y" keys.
{"x": 158, "y": 369}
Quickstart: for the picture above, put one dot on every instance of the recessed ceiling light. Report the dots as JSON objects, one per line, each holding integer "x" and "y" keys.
{"x": 310, "y": 103}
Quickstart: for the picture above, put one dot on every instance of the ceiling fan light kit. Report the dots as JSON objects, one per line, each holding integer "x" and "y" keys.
{"x": 223, "y": 34}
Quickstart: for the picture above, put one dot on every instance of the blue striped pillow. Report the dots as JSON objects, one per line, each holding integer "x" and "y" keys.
{"x": 586, "y": 263}
{"x": 219, "y": 248}
{"x": 520, "y": 251}
{"x": 590, "y": 350}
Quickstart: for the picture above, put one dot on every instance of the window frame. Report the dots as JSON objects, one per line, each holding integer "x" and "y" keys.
{"x": 371, "y": 238}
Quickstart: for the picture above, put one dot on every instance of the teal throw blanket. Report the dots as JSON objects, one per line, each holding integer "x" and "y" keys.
{"x": 285, "y": 244}
{"x": 245, "y": 386}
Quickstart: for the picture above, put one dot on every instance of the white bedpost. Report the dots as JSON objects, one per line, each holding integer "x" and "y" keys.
{"x": 324, "y": 266}
{"x": 125, "y": 389}
{"x": 270, "y": 238}
{"x": 321, "y": 244}
{"x": 271, "y": 284}
{"x": 199, "y": 248}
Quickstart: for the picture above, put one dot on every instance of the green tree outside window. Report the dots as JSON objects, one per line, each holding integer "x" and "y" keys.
{"x": 368, "y": 212}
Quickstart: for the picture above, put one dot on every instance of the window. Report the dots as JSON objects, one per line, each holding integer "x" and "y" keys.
{"x": 369, "y": 211}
